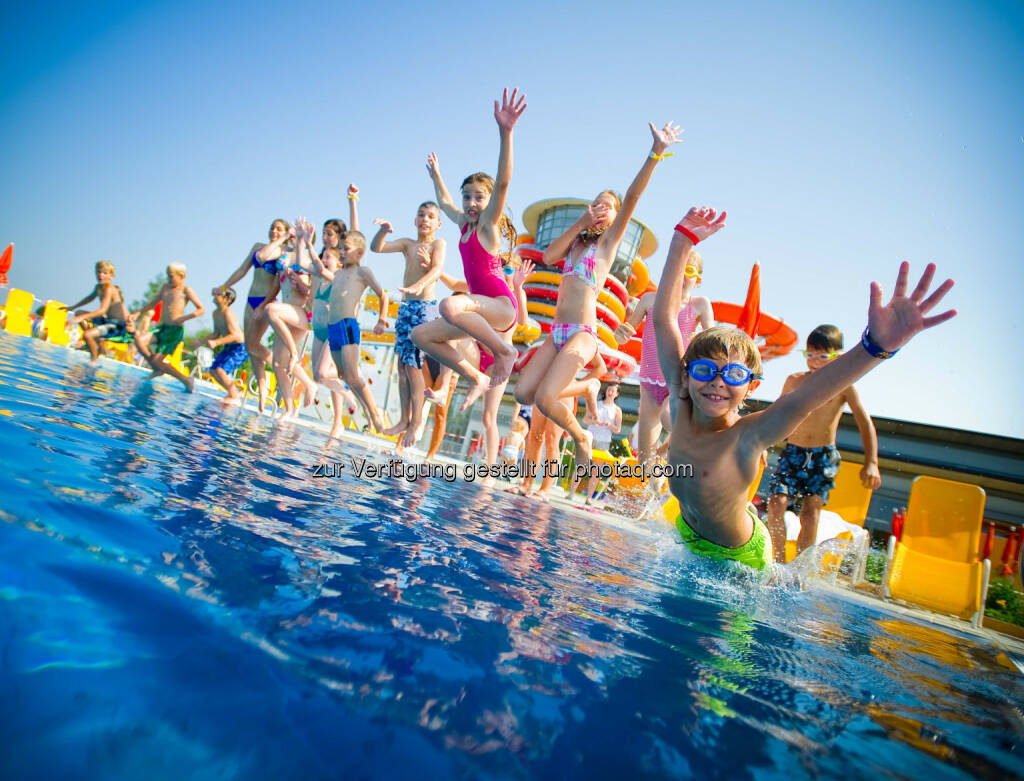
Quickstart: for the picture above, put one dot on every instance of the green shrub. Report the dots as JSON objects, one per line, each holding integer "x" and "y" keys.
{"x": 1004, "y": 602}
{"x": 875, "y": 567}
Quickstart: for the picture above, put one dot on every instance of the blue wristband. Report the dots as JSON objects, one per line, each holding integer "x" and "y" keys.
{"x": 873, "y": 349}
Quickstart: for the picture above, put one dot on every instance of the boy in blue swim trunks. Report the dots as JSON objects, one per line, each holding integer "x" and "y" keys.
{"x": 348, "y": 283}
{"x": 713, "y": 452}
{"x": 424, "y": 262}
{"x": 175, "y": 296}
{"x": 107, "y": 321}
{"x": 809, "y": 463}
{"x": 227, "y": 335}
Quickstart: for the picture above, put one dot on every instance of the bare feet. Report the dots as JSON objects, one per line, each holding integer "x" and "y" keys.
{"x": 501, "y": 369}
{"x": 593, "y": 388}
{"x": 396, "y": 429}
{"x": 476, "y": 390}
{"x": 231, "y": 401}
{"x": 153, "y": 375}
{"x": 435, "y": 397}
{"x": 190, "y": 384}
{"x": 584, "y": 449}
{"x": 418, "y": 432}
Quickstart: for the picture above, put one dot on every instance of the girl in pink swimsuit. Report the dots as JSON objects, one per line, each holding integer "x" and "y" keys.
{"x": 588, "y": 248}
{"x": 696, "y": 311}
{"x": 489, "y": 312}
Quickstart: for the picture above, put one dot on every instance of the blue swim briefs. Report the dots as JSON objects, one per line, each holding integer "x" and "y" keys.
{"x": 343, "y": 332}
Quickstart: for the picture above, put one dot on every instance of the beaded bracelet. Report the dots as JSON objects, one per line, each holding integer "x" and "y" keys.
{"x": 873, "y": 349}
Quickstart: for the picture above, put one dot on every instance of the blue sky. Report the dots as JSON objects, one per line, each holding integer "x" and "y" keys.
{"x": 840, "y": 139}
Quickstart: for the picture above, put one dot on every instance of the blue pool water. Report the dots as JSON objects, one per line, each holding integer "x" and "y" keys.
{"x": 180, "y": 598}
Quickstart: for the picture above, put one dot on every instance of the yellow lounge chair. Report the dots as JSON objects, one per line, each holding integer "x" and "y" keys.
{"x": 55, "y": 319}
{"x": 18, "y": 312}
{"x": 936, "y": 564}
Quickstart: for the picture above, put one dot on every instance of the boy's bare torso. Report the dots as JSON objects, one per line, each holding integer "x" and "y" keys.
{"x": 819, "y": 428}
{"x": 713, "y": 501}
{"x": 346, "y": 290}
{"x": 415, "y": 271}
{"x": 115, "y": 307}
{"x": 174, "y": 300}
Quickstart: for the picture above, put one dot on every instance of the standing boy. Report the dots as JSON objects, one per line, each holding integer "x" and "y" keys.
{"x": 228, "y": 335}
{"x": 809, "y": 463}
{"x": 424, "y": 262}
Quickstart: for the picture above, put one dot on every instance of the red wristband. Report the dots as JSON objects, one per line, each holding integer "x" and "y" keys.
{"x": 688, "y": 233}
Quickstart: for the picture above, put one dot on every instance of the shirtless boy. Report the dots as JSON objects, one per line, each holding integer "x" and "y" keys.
{"x": 809, "y": 463}
{"x": 110, "y": 318}
{"x": 424, "y": 262}
{"x": 170, "y": 332}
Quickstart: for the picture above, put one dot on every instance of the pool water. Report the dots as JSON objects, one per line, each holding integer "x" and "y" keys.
{"x": 180, "y": 597}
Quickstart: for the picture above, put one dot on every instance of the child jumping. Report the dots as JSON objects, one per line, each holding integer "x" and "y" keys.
{"x": 489, "y": 312}
{"x": 809, "y": 463}
{"x": 696, "y": 312}
{"x": 343, "y": 335}
{"x": 110, "y": 319}
{"x": 713, "y": 453}
{"x": 424, "y": 262}
{"x": 229, "y": 337}
{"x": 174, "y": 296}
{"x": 589, "y": 248}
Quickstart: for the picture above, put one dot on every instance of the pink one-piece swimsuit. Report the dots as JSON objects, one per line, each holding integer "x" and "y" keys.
{"x": 485, "y": 276}
{"x": 651, "y": 377}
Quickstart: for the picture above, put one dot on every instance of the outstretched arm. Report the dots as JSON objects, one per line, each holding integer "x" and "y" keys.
{"x": 889, "y": 328}
{"x": 382, "y": 296}
{"x": 85, "y": 300}
{"x": 353, "y": 212}
{"x": 242, "y": 270}
{"x": 377, "y": 243}
{"x": 506, "y": 115}
{"x": 627, "y": 329}
{"x": 108, "y": 294}
{"x": 518, "y": 280}
{"x": 663, "y": 139}
{"x": 441, "y": 192}
{"x": 698, "y": 224}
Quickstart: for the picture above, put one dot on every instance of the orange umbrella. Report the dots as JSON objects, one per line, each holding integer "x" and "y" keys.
{"x": 750, "y": 317}
{"x": 5, "y": 263}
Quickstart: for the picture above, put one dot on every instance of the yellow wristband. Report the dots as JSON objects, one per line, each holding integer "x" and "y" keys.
{"x": 660, "y": 157}
{"x": 353, "y": 197}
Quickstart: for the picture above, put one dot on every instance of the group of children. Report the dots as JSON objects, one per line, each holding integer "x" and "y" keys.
{"x": 694, "y": 375}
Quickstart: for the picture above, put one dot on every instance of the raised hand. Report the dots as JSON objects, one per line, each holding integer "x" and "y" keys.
{"x": 702, "y": 222}
{"x": 383, "y": 223}
{"x": 664, "y": 138}
{"x": 596, "y": 213}
{"x": 432, "y": 166}
{"x": 300, "y": 228}
{"x": 353, "y": 192}
{"x": 893, "y": 325}
{"x": 510, "y": 110}
{"x": 522, "y": 273}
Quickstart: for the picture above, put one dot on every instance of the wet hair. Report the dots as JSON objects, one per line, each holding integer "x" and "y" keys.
{"x": 506, "y": 227}
{"x": 433, "y": 206}
{"x": 228, "y": 293}
{"x": 287, "y": 225}
{"x": 723, "y": 342}
{"x": 177, "y": 268}
{"x": 593, "y": 233}
{"x": 105, "y": 265}
{"x": 604, "y": 391}
{"x": 825, "y": 337}
{"x": 358, "y": 239}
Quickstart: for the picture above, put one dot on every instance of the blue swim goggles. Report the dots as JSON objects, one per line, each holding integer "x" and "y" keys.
{"x": 732, "y": 374}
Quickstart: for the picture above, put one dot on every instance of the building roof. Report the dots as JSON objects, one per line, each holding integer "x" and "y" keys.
{"x": 531, "y": 215}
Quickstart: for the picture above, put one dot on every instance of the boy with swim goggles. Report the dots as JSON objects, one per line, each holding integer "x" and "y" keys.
{"x": 720, "y": 368}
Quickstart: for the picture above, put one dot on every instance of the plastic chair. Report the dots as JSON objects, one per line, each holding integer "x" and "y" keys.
{"x": 936, "y": 564}
{"x": 18, "y": 312}
{"x": 55, "y": 319}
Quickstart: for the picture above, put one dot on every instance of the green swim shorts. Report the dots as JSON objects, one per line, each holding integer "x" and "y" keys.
{"x": 755, "y": 552}
{"x": 167, "y": 337}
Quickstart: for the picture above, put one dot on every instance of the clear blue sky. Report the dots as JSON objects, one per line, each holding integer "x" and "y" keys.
{"x": 841, "y": 141}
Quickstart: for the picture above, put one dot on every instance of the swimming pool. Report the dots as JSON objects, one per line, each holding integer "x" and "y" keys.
{"x": 182, "y": 598}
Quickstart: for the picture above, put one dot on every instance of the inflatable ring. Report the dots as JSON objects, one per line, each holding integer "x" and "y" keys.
{"x": 619, "y": 363}
{"x": 612, "y": 302}
{"x": 543, "y": 293}
{"x": 545, "y": 277}
{"x": 639, "y": 279}
{"x": 774, "y": 338}
{"x": 530, "y": 252}
{"x": 613, "y": 284}
{"x": 524, "y": 238}
{"x": 633, "y": 348}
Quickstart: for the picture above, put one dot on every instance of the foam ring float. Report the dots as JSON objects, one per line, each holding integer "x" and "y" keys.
{"x": 613, "y": 303}
{"x": 638, "y": 279}
{"x": 619, "y": 363}
{"x": 774, "y": 338}
{"x": 524, "y": 238}
{"x": 632, "y": 348}
{"x": 613, "y": 284}
{"x": 530, "y": 253}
